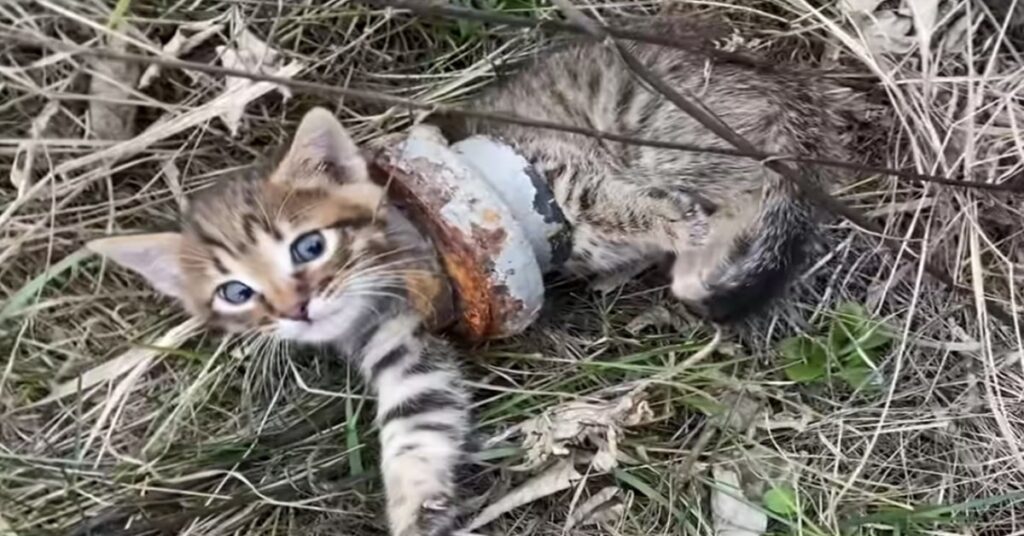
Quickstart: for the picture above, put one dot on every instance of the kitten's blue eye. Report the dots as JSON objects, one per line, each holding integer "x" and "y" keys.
{"x": 235, "y": 292}
{"x": 308, "y": 247}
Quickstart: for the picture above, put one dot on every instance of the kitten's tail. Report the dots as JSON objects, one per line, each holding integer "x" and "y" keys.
{"x": 763, "y": 258}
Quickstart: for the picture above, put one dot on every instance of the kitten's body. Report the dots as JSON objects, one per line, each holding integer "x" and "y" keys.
{"x": 735, "y": 228}
{"x": 309, "y": 253}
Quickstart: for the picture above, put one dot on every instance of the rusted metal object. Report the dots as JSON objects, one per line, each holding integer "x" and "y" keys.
{"x": 495, "y": 224}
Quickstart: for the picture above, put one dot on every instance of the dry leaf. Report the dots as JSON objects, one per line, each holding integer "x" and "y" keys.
{"x": 956, "y": 36}
{"x": 558, "y": 477}
{"x": 160, "y": 130}
{"x": 660, "y": 316}
{"x": 603, "y": 507}
{"x": 25, "y": 154}
{"x": 180, "y": 44}
{"x": 741, "y": 411}
{"x": 894, "y": 30}
{"x": 111, "y": 82}
{"x": 732, "y": 515}
{"x": 250, "y": 54}
{"x": 598, "y": 424}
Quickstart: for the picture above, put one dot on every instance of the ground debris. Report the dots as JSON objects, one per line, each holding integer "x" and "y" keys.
{"x": 250, "y": 54}
{"x": 598, "y": 425}
{"x": 605, "y": 506}
{"x": 111, "y": 85}
{"x": 182, "y": 43}
{"x": 558, "y": 477}
{"x": 22, "y": 168}
{"x": 733, "y": 515}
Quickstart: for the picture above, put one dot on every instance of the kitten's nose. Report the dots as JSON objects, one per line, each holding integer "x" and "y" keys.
{"x": 299, "y": 312}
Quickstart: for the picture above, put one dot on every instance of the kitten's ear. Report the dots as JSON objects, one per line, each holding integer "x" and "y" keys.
{"x": 154, "y": 256}
{"x": 322, "y": 143}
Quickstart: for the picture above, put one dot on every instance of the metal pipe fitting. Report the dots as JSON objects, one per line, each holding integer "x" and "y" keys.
{"x": 492, "y": 218}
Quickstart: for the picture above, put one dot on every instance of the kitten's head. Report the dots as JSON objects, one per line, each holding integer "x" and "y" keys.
{"x": 300, "y": 253}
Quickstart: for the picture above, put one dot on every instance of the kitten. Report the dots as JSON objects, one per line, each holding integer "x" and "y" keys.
{"x": 736, "y": 231}
{"x": 308, "y": 253}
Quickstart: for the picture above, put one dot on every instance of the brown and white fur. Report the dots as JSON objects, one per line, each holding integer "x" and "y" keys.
{"x": 354, "y": 295}
{"x": 735, "y": 230}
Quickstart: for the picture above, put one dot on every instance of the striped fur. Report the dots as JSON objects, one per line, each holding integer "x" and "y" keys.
{"x": 353, "y": 288}
{"x": 736, "y": 231}
{"x": 424, "y": 423}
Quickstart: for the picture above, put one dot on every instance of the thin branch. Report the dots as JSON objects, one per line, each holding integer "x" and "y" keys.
{"x": 16, "y": 36}
{"x": 692, "y": 106}
{"x": 442, "y": 11}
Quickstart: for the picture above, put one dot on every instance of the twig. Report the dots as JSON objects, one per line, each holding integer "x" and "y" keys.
{"x": 429, "y": 10}
{"x": 692, "y": 106}
{"x": 441, "y": 11}
{"x": 370, "y": 96}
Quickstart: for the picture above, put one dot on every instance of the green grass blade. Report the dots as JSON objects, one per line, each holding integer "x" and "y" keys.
{"x": 31, "y": 290}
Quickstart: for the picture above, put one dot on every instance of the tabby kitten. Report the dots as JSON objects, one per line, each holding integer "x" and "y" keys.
{"x": 310, "y": 254}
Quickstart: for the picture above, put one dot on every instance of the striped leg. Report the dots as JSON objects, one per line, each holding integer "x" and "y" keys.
{"x": 423, "y": 414}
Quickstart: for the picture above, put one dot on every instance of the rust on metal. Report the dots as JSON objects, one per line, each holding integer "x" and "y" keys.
{"x": 467, "y": 200}
{"x": 420, "y": 201}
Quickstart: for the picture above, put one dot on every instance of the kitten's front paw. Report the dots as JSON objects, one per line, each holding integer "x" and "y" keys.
{"x": 437, "y": 517}
{"x": 690, "y": 288}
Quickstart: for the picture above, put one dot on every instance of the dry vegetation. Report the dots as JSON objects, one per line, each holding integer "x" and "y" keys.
{"x": 118, "y": 416}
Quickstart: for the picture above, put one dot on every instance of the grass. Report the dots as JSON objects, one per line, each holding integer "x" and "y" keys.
{"x": 118, "y": 415}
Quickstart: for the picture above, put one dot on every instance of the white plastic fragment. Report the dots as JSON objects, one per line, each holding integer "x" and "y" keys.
{"x": 518, "y": 184}
{"x": 732, "y": 515}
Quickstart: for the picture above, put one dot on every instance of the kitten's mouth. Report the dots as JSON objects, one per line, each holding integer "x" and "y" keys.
{"x": 327, "y": 321}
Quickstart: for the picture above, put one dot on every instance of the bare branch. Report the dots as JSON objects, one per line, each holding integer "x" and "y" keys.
{"x": 441, "y": 11}
{"x": 16, "y": 36}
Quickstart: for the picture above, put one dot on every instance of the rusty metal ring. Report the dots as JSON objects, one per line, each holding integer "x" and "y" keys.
{"x": 469, "y": 199}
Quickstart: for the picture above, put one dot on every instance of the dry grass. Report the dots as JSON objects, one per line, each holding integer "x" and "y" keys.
{"x": 118, "y": 416}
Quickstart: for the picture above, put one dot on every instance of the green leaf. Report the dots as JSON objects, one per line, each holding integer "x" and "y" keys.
{"x": 781, "y": 500}
{"x": 861, "y": 377}
{"x": 852, "y": 314}
{"x": 872, "y": 336}
{"x": 846, "y": 324}
{"x": 856, "y": 337}
{"x": 469, "y": 29}
{"x": 31, "y": 290}
{"x": 352, "y": 443}
{"x": 866, "y": 351}
{"x": 804, "y": 359}
{"x": 838, "y": 339}
{"x": 805, "y": 372}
